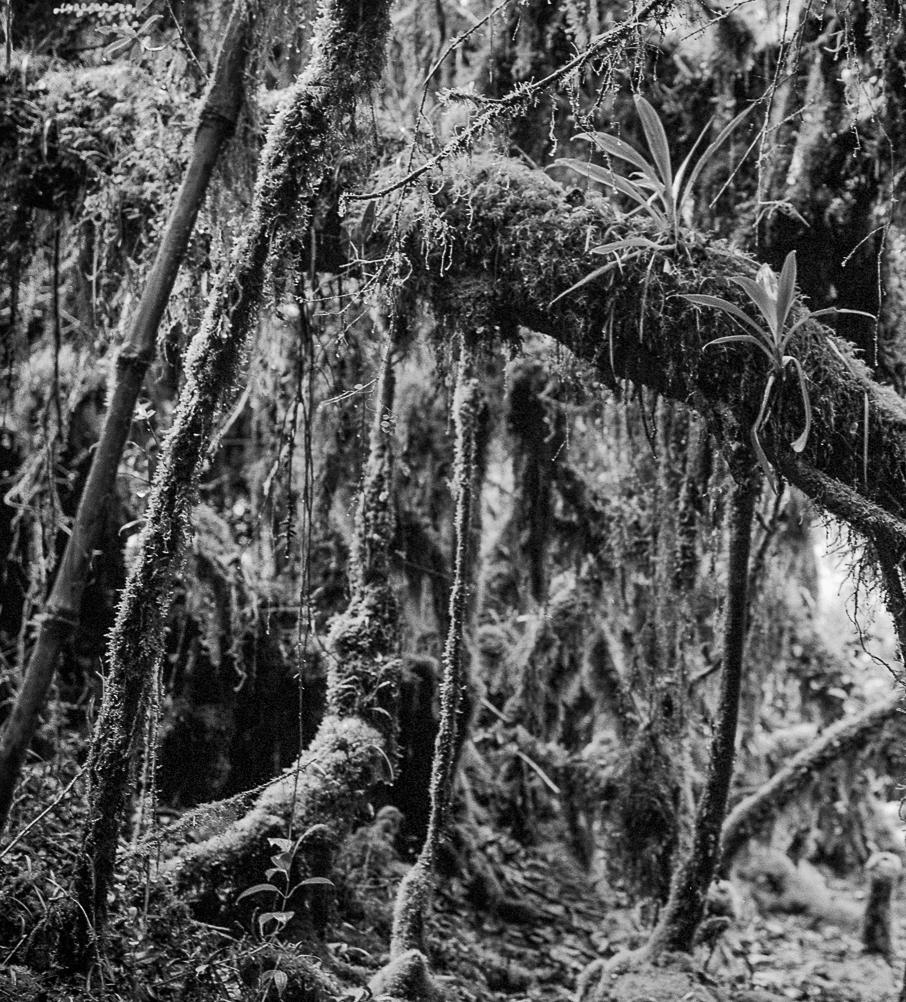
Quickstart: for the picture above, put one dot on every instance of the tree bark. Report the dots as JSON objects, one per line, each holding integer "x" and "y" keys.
{"x": 752, "y": 813}
{"x": 305, "y": 139}
{"x": 216, "y": 121}
{"x": 415, "y": 890}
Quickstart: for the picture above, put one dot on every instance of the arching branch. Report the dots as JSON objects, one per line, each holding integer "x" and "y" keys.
{"x": 514, "y": 240}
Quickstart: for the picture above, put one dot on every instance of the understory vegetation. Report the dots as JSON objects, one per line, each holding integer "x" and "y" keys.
{"x": 452, "y": 501}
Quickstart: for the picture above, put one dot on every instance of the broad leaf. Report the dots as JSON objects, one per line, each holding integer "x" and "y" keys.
{"x": 657, "y": 143}
{"x": 786, "y": 290}
{"x": 613, "y": 146}
{"x": 802, "y": 440}
{"x": 257, "y": 889}
{"x": 760, "y": 296}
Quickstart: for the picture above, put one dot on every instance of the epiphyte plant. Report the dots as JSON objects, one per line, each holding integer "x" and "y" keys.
{"x": 665, "y": 198}
{"x": 774, "y": 296}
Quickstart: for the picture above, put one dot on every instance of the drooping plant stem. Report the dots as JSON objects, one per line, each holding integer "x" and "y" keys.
{"x": 304, "y": 140}
{"x": 685, "y": 907}
{"x": 60, "y": 619}
{"x": 414, "y": 895}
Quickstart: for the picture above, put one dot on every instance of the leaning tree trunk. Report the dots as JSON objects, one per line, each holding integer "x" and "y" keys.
{"x": 305, "y": 140}
{"x": 216, "y": 121}
{"x": 752, "y": 814}
{"x": 406, "y": 974}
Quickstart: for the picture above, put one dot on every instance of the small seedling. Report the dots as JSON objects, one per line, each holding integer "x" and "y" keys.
{"x": 774, "y": 296}
{"x": 664, "y": 197}
{"x": 278, "y": 877}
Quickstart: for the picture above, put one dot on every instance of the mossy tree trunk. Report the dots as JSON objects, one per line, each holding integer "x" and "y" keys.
{"x": 60, "y": 619}
{"x": 305, "y": 140}
{"x": 414, "y": 893}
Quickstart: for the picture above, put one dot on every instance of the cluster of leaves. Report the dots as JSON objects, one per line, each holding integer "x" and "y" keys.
{"x": 663, "y": 197}
{"x": 774, "y": 297}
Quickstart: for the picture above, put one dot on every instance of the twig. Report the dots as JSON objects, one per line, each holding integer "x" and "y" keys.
{"x": 47, "y": 810}
{"x": 521, "y": 95}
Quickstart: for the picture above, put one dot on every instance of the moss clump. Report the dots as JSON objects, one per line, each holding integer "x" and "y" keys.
{"x": 406, "y": 977}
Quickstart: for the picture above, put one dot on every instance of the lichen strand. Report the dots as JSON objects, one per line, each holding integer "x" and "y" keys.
{"x": 305, "y": 138}
{"x": 515, "y": 240}
{"x": 414, "y": 894}
{"x": 330, "y": 780}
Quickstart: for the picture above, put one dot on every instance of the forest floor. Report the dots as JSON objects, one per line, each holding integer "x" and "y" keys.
{"x": 512, "y": 922}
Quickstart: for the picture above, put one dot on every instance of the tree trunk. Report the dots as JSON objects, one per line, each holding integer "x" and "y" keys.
{"x": 216, "y": 121}
{"x": 406, "y": 976}
{"x": 676, "y": 929}
{"x": 305, "y": 139}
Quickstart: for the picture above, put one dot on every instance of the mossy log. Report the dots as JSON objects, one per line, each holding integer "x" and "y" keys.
{"x": 330, "y": 780}
{"x": 498, "y": 242}
{"x": 754, "y": 812}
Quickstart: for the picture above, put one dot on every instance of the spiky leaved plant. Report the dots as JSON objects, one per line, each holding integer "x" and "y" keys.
{"x": 774, "y": 296}
{"x": 665, "y": 198}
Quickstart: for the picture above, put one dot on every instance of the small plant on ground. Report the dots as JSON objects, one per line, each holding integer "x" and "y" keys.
{"x": 665, "y": 198}
{"x": 774, "y": 296}
{"x": 279, "y": 883}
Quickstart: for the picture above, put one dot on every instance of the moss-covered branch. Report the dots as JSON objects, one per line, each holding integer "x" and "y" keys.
{"x": 511, "y": 240}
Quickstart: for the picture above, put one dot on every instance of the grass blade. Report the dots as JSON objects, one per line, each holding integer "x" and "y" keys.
{"x": 590, "y": 277}
{"x": 618, "y": 245}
